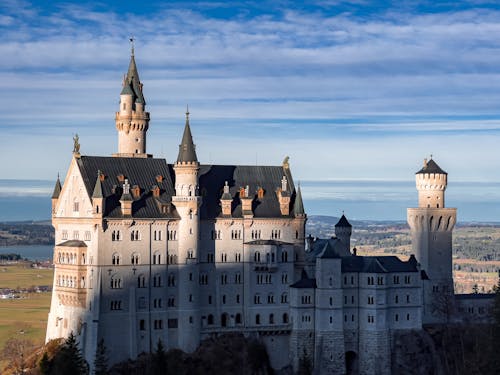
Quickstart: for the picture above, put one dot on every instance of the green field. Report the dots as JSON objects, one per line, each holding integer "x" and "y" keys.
{"x": 22, "y": 276}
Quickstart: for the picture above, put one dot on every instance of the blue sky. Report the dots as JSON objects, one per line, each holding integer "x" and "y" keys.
{"x": 348, "y": 89}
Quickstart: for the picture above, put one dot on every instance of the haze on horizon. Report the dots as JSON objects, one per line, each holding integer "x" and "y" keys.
{"x": 349, "y": 90}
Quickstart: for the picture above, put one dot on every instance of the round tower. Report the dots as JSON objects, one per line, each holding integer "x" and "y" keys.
{"x": 431, "y": 183}
{"x": 132, "y": 120}
{"x": 431, "y": 226}
{"x": 187, "y": 202}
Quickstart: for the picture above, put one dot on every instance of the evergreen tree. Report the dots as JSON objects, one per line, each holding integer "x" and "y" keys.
{"x": 69, "y": 359}
{"x": 45, "y": 364}
{"x": 494, "y": 362}
{"x": 159, "y": 359}
{"x": 101, "y": 359}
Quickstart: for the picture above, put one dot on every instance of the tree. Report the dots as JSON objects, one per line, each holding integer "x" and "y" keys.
{"x": 101, "y": 359}
{"x": 69, "y": 359}
{"x": 305, "y": 364}
{"x": 45, "y": 364}
{"x": 494, "y": 362}
{"x": 159, "y": 359}
{"x": 15, "y": 351}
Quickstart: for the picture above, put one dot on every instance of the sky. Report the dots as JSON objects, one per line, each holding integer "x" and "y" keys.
{"x": 349, "y": 90}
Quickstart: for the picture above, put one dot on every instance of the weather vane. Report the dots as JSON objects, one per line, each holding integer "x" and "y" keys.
{"x": 132, "y": 40}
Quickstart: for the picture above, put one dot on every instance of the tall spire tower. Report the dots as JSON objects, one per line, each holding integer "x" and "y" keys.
{"x": 132, "y": 120}
{"x": 431, "y": 226}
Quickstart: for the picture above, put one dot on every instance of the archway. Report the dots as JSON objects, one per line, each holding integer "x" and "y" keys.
{"x": 351, "y": 363}
{"x": 223, "y": 320}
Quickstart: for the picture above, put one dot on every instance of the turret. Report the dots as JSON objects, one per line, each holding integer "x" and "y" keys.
{"x": 132, "y": 120}
{"x": 97, "y": 196}
{"x": 226, "y": 201}
{"x": 343, "y": 231}
{"x": 431, "y": 227}
{"x": 187, "y": 202}
{"x": 431, "y": 183}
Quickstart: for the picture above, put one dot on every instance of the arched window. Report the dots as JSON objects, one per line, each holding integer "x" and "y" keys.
{"x": 223, "y": 320}
{"x": 115, "y": 259}
{"x": 141, "y": 281}
{"x": 134, "y": 258}
{"x": 116, "y": 282}
{"x": 257, "y": 319}
{"x": 157, "y": 257}
{"x": 284, "y": 298}
{"x": 285, "y": 318}
{"x": 157, "y": 280}
{"x": 271, "y": 318}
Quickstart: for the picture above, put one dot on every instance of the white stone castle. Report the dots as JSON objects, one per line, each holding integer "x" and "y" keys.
{"x": 148, "y": 251}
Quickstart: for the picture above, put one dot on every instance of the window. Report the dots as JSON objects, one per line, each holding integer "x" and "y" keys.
{"x": 331, "y": 301}
{"x": 209, "y": 300}
{"x": 172, "y": 323}
{"x": 210, "y": 258}
{"x": 238, "y": 318}
{"x": 330, "y": 281}
{"x": 237, "y": 278}
{"x": 395, "y": 280}
{"x": 285, "y": 318}
{"x": 271, "y": 318}
{"x": 224, "y": 299}
{"x": 256, "y": 234}
{"x": 142, "y": 325}
{"x": 407, "y": 279}
{"x": 380, "y": 281}
{"x": 172, "y": 235}
{"x": 284, "y": 298}
{"x": 257, "y": 319}
{"x": 115, "y": 282}
{"x": 203, "y": 279}
{"x": 284, "y": 278}
{"x": 86, "y": 235}
{"x": 236, "y": 234}
{"x": 256, "y": 257}
{"x": 237, "y": 298}
{"x": 115, "y": 259}
{"x": 156, "y": 281}
{"x": 116, "y": 235}
{"x": 371, "y": 319}
{"x": 223, "y": 279}
{"x": 256, "y": 299}
{"x": 157, "y": 235}
{"x": 216, "y": 235}
{"x": 135, "y": 235}
{"x": 270, "y": 298}
{"x": 158, "y": 324}
{"x": 396, "y": 299}
{"x": 134, "y": 258}
{"x": 76, "y": 235}
{"x": 306, "y": 299}
{"x": 223, "y": 257}
{"x": 141, "y": 281}
{"x": 157, "y": 257}
{"x": 237, "y": 257}
{"x": 396, "y": 317}
{"x": 371, "y": 280}
{"x": 64, "y": 235}
{"x": 370, "y": 300}
{"x": 76, "y": 206}
{"x": 407, "y": 316}
{"x": 407, "y": 298}
{"x": 171, "y": 301}
{"x": 171, "y": 280}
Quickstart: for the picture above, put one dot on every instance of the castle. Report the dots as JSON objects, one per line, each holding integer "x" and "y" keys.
{"x": 148, "y": 251}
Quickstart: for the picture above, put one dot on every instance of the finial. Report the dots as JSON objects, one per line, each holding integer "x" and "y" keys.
{"x": 58, "y": 175}
{"x": 98, "y": 173}
{"x": 132, "y": 40}
{"x": 187, "y": 112}
{"x": 431, "y": 156}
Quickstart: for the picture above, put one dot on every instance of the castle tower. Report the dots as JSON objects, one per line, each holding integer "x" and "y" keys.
{"x": 343, "y": 231}
{"x": 187, "y": 202}
{"x": 431, "y": 226}
{"x": 132, "y": 120}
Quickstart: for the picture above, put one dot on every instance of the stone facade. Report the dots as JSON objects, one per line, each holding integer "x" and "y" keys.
{"x": 147, "y": 251}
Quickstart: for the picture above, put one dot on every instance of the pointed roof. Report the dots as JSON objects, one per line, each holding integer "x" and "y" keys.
{"x": 187, "y": 152}
{"x": 431, "y": 167}
{"x": 226, "y": 195}
{"x": 298, "y": 207}
{"x": 132, "y": 83}
{"x": 305, "y": 282}
{"x": 98, "y": 187}
{"x": 343, "y": 222}
{"x": 57, "y": 189}
{"x": 329, "y": 250}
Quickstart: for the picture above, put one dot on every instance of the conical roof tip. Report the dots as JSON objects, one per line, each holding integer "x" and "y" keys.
{"x": 343, "y": 222}
{"x": 187, "y": 149}
{"x": 57, "y": 189}
{"x": 298, "y": 207}
{"x": 431, "y": 167}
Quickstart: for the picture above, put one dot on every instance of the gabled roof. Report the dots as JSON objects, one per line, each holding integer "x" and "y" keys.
{"x": 73, "y": 243}
{"x": 305, "y": 282}
{"x": 98, "y": 187}
{"x": 343, "y": 222}
{"x": 431, "y": 167}
{"x": 57, "y": 189}
{"x": 187, "y": 149}
{"x": 144, "y": 173}
{"x": 329, "y": 251}
{"x": 377, "y": 264}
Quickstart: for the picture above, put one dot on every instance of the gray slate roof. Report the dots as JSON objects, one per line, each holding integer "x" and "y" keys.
{"x": 143, "y": 172}
{"x": 132, "y": 84}
{"x": 73, "y": 243}
{"x": 187, "y": 149}
{"x": 57, "y": 189}
{"x": 305, "y": 282}
{"x": 377, "y": 264}
{"x": 431, "y": 167}
{"x": 343, "y": 222}
{"x": 298, "y": 207}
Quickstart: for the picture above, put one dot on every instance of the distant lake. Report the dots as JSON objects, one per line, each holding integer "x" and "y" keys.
{"x": 32, "y": 252}
{"x": 359, "y": 199}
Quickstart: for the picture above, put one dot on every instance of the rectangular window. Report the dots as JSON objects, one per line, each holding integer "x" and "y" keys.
{"x": 87, "y": 235}
{"x": 142, "y": 325}
{"x": 172, "y": 323}
{"x": 64, "y": 235}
